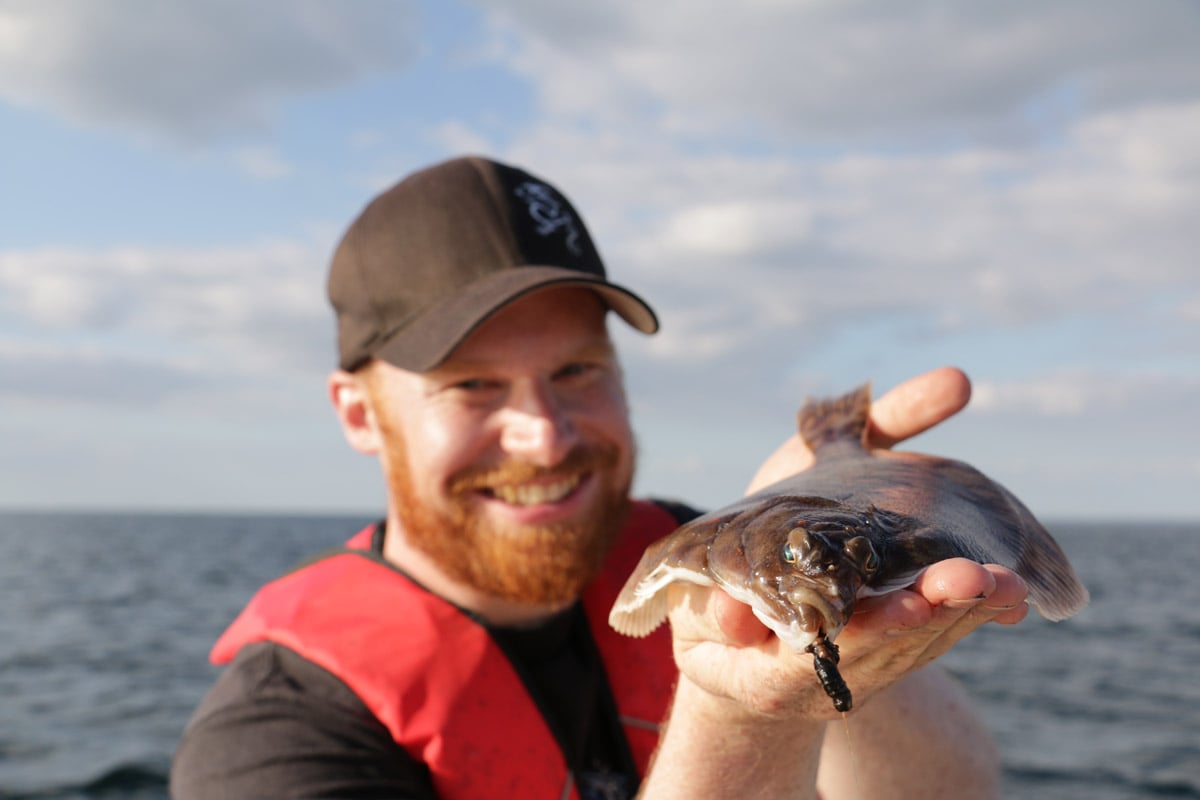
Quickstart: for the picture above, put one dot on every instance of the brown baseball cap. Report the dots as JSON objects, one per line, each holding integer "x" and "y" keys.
{"x": 432, "y": 257}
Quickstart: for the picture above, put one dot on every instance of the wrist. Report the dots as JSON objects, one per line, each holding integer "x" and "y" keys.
{"x": 714, "y": 746}
{"x": 733, "y": 716}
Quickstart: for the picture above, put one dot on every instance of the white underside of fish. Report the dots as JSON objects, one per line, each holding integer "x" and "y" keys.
{"x": 648, "y": 607}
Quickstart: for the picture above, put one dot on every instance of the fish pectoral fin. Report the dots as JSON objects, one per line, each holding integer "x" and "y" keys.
{"x": 642, "y": 604}
{"x": 638, "y": 616}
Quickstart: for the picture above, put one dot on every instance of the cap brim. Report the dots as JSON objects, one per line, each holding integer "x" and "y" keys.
{"x": 428, "y": 340}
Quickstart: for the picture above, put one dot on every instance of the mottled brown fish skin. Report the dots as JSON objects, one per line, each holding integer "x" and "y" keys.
{"x": 857, "y": 522}
{"x": 789, "y": 547}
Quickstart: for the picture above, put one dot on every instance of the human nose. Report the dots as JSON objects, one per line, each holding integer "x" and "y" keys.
{"x": 537, "y": 427}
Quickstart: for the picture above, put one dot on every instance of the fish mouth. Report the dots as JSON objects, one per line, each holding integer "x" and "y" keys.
{"x": 797, "y": 617}
{"x": 817, "y": 610}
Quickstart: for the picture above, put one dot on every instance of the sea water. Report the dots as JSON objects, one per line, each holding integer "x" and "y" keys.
{"x": 106, "y": 621}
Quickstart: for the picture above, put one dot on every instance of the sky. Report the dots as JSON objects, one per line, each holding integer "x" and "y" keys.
{"x": 812, "y": 194}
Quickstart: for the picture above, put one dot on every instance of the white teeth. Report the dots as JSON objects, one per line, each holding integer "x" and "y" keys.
{"x": 534, "y": 494}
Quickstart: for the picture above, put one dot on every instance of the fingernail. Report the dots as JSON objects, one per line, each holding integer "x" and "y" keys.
{"x": 1004, "y": 608}
{"x": 969, "y": 602}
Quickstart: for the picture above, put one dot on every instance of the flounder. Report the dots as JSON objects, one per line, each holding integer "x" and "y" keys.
{"x": 858, "y": 522}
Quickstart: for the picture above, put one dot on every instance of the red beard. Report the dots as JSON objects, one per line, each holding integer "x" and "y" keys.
{"x": 536, "y": 564}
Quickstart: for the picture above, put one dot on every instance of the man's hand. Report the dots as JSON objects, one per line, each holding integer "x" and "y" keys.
{"x": 724, "y": 649}
{"x": 749, "y": 713}
{"x": 912, "y": 407}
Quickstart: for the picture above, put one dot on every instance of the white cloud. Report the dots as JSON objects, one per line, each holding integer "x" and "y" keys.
{"x": 137, "y": 315}
{"x": 1188, "y": 308}
{"x": 192, "y": 71}
{"x": 810, "y": 194}
{"x": 1072, "y": 393}
{"x": 812, "y": 71}
{"x": 457, "y": 137}
{"x": 261, "y": 162}
{"x": 988, "y": 237}
{"x": 731, "y": 230}
{"x": 366, "y": 139}
{"x": 1056, "y": 397}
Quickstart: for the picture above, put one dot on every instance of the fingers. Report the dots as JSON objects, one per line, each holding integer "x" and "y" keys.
{"x": 724, "y": 648}
{"x": 966, "y": 595}
{"x": 957, "y": 583}
{"x": 949, "y": 601}
{"x": 917, "y": 405}
{"x": 910, "y": 408}
{"x": 737, "y": 621}
{"x": 715, "y": 616}
{"x": 1008, "y": 603}
{"x": 691, "y": 611}
{"x": 876, "y": 618}
{"x": 942, "y": 595}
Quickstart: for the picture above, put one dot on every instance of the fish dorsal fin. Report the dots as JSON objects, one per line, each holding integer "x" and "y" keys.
{"x": 841, "y": 420}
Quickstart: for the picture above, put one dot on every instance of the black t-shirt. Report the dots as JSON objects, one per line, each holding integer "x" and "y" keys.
{"x": 277, "y": 725}
{"x": 562, "y": 671}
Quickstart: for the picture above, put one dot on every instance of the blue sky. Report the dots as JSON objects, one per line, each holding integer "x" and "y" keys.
{"x": 811, "y": 194}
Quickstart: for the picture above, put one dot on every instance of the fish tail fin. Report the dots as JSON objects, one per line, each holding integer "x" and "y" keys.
{"x": 1057, "y": 593}
{"x": 1054, "y": 588}
{"x": 836, "y": 419}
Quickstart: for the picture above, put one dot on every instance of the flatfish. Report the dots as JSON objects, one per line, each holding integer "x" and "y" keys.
{"x": 858, "y": 522}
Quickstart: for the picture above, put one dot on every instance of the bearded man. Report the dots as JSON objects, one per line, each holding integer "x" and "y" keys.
{"x": 458, "y": 648}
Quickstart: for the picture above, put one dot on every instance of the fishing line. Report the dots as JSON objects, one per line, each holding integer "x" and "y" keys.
{"x": 858, "y": 792}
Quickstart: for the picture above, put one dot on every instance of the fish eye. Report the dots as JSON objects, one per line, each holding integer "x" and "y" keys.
{"x": 859, "y": 548}
{"x": 789, "y": 555}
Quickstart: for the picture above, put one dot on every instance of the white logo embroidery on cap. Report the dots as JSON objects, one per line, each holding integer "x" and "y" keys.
{"x": 549, "y": 214}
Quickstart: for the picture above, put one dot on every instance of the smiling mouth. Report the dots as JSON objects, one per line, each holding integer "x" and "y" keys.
{"x": 533, "y": 494}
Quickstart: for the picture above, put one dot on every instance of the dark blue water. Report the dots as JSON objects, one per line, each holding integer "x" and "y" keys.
{"x": 105, "y": 623}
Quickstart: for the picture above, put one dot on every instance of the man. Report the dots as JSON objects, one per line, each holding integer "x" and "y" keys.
{"x": 458, "y": 648}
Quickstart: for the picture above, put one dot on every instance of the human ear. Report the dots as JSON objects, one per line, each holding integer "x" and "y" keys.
{"x": 352, "y": 404}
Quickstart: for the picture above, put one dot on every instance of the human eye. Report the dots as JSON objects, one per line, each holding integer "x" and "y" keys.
{"x": 584, "y": 372}
{"x": 574, "y": 370}
{"x": 587, "y": 364}
{"x": 474, "y": 385}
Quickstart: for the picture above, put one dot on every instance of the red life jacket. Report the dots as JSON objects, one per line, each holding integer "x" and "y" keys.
{"x": 439, "y": 682}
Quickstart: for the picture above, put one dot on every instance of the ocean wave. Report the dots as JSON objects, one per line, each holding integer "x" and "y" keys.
{"x": 124, "y": 781}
